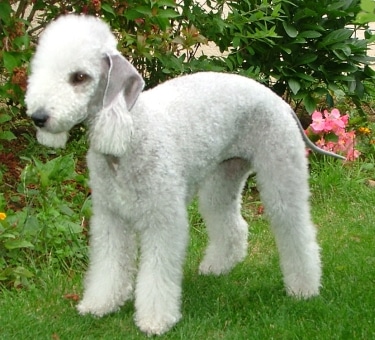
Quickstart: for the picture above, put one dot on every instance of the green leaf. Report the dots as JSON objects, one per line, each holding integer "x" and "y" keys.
{"x": 290, "y": 30}
{"x": 5, "y": 11}
{"x": 108, "y": 8}
{"x": 299, "y": 40}
{"x": 342, "y": 47}
{"x": 144, "y": 10}
{"x": 10, "y": 62}
{"x": 364, "y": 18}
{"x": 368, "y": 6}
{"x": 310, "y": 103}
{"x": 336, "y": 36}
{"x": 329, "y": 100}
{"x": 359, "y": 89}
{"x": 236, "y": 41}
{"x": 168, "y": 13}
{"x": 132, "y": 14}
{"x": 306, "y": 77}
{"x": 169, "y": 3}
{"x": 306, "y": 59}
{"x": 286, "y": 49}
{"x": 8, "y": 235}
{"x": 7, "y": 135}
{"x": 276, "y": 10}
{"x": 4, "y": 118}
{"x": 294, "y": 85}
{"x": 74, "y": 227}
{"x": 339, "y": 54}
{"x": 66, "y": 210}
{"x": 32, "y": 225}
{"x": 23, "y": 272}
{"x": 16, "y": 244}
{"x": 310, "y": 34}
{"x": 22, "y": 42}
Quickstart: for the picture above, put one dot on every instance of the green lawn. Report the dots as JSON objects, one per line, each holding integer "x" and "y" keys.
{"x": 250, "y": 302}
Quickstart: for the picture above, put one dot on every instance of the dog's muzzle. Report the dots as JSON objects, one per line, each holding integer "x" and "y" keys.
{"x": 40, "y": 117}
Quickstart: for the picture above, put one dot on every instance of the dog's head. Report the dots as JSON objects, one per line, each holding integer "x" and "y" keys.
{"x": 78, "y": 75}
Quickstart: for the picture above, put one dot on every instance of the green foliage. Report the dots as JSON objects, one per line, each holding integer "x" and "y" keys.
{"x": 50, "y": 230}
{"x": 304, "y": 50}
{"x": 5, "y": 134}
{"x": 367, "y": 13}
{"x": 15, "y": 52}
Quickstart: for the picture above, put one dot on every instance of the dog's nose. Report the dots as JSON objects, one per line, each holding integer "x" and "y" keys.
{"x": 40, "y": 117}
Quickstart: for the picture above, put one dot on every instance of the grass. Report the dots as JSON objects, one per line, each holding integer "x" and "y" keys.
{"x": 250, "y": 302}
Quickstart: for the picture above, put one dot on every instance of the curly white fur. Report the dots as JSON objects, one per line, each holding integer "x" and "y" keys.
{"x": 151, "y": 152}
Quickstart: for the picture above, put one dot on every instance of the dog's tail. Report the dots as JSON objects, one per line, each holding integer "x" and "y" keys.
{"x": 310, "y": 144}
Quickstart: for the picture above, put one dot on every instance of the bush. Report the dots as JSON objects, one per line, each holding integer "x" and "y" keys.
{"x": 303, "y": 49}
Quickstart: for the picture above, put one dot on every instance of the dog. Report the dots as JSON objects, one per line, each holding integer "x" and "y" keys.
{"x": 151, "y": 152}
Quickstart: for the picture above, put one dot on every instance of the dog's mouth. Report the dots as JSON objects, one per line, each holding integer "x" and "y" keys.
{"x": 51, "y": 131}
{"x": 46, "y": 122}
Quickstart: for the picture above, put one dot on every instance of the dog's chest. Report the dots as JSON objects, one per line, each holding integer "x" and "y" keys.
{"x": 114, "y": 185}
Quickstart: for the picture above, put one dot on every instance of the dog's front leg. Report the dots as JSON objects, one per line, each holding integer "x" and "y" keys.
{"x": 110, "y": 277}
{"x": 158, "y": 287}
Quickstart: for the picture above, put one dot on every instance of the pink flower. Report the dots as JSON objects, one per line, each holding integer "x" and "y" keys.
{"x": 333, "y": 121}
{"x": 329, "y": 124}
{"x": 318, "y": 122}
{"x": 353, "y": 155}
{"x": 345, "y": 119}
{"x": 331, "y": 146}
{"x": 335, "y": 114}
{"x": 321, "y": 142}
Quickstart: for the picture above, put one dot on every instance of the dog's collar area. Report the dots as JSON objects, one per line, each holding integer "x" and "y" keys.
{"x": 112, "y": 162}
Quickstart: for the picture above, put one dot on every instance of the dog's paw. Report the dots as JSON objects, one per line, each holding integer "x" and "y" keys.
{"x": 302, "y": 292}
{"x": 156, "y": 324}
{"x": 213, "y": 268}
{"x": 215, "y": 263}
{"x": 84, "y": 309}
{"x": 97, "y": 308}
{"x": 98, "y": 301}
{"x": 303, "y": 287}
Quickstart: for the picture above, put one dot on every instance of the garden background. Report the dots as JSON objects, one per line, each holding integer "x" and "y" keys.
{"x": 315, "y": 54}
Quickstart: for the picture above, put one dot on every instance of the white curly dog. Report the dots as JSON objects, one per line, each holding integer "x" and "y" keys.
{"x": 151, "y": 152}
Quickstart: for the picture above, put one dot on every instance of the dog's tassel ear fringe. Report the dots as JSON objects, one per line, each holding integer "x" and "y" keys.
{"x": 112, "y": 130}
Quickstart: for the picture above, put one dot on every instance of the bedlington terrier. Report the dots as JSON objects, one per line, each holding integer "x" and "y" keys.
{"x": 151, "y": 152}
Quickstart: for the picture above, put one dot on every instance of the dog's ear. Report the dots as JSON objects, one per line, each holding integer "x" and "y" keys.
{"x": 112, "y": 127}
{"x": 122, "y": 78}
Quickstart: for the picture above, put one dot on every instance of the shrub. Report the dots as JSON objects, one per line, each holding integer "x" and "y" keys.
{"x": 303, "y": 49}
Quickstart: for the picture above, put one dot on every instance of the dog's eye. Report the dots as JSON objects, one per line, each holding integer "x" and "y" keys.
{"x": 78, "y": 78}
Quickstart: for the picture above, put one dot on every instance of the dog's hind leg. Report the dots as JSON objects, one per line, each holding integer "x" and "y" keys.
{"x": 220, "y": 206}
{"x": 283, "y": 184}
{"x": 110, "y": 277}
